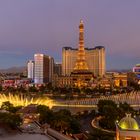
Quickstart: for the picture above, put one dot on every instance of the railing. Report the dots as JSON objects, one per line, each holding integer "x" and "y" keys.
{"x": 132, "y": 98}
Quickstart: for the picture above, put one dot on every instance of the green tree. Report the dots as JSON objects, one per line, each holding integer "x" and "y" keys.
{"x": 32, "y": 89}
{"x": 102, "y": 103}
{"x": 123, "y": 109}
{"x": 108, "y": 110}
{"x": 75, "y": 126}
{"x": 1, "y": 88}
{"x": 9, "y": 107}
{"x": 49, "y": 87}
{"x": 60, "y": 125}
{"x": 100, "y": 135}
{"x": 61, "y": 120}
{"x": 14, "y": 109}
{"x": 12, "y": 120}
{"x": 46, "y": 115}
{"x": 65, "y": 122}
{"x": 21, "y": 89}
{"x": 6, "y": 105}
{"x": 42, "y": 88}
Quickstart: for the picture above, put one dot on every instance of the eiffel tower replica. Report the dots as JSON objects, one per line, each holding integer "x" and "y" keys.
{"x": 81, "y": 74}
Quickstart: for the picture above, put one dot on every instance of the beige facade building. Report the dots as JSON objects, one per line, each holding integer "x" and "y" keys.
{"x": 95, "y": 58}
{"x": 69, "y": 56}
{"x": 62, "y": 81}
{"x": 120, "y": 79}
{"x": 92, "y": 58}
{"x": 81, "y": 64}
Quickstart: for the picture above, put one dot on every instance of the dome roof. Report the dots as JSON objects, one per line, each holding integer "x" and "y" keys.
{"x": 137, "y": 65}
{"x": 128, "y": 123}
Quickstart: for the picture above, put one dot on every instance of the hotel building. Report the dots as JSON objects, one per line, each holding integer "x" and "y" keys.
{"x": 80, "y": 65}
{"x": 81, "y": 74}
{"x": 43, "y": 68}
{"x": 136, "y": 70}
{"x": 50, "y": 68}
{"x": 30, "y": 69}
{"x": 95, "y": 58}
{"x": 58, "y": 69}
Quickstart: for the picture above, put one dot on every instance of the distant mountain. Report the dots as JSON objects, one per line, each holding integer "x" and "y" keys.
{"x": 13, "y": 70}
{"x": 23, "y": 68}
{"x": 119, "y": 70}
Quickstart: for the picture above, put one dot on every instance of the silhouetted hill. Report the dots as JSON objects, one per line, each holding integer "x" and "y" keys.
{"x": 119, "y": 70}
{"x": 13, "y": 70}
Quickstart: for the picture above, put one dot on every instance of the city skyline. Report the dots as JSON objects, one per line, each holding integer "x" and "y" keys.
{"x": 29, "y": 27}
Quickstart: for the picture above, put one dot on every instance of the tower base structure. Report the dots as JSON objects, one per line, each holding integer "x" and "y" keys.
{"x": 81, "y": 78}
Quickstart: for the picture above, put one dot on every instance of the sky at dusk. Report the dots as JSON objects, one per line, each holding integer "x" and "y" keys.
{"x": 45, "y": 26}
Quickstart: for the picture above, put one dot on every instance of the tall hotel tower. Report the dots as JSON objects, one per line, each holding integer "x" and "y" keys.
{"x": 43, "y": 68}
{"x": 30, "y": 69}
{"x": 94, "y": 57}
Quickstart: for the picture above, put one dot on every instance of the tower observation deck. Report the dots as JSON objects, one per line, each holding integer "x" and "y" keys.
{"x": 81, "y": 75}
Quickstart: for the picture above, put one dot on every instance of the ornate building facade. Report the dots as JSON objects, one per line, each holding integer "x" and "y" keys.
{"x": 81, "y": 74}
{"x": 95, "y": 57}
{"x": 79, "y": 65}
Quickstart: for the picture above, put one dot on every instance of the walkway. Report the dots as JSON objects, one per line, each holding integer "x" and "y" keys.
{"x": 94, "y": 124}
{"x": 25, "y": 137}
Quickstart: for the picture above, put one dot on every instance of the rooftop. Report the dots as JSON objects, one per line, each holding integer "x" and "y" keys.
{"x": 128, "y": 123}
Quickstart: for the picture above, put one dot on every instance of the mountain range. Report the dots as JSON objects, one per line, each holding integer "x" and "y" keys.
{"x": 13, "y": 70}
{"x": 23, "y": 68}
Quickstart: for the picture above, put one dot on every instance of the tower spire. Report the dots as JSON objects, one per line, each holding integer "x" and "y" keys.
{"x": 81, "y": 62}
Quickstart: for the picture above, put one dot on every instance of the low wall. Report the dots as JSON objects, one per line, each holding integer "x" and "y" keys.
{"x": 57, "y": 135}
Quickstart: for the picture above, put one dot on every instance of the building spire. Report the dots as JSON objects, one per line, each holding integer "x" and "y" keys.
{"x": 81, "y": 62}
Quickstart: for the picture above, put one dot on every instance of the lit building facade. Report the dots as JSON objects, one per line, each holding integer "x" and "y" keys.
{"x": 81, "y": 74}
{"x": 69, "y": 56}
{"x": 43, "y": 68}
{"x": 80, "y": 64}
{"x": 136, "y": 70}
{"x": 50, "y": 70}
{"x": 40, "y": 68}
{"x": 95, "y": 58}
{"x": 30, "y": 69}
{"x": 134, "y": 76}
{"x": 120, "y": 79}
{"x": 58, "y": 69}
{"x": 62, "y": 81}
